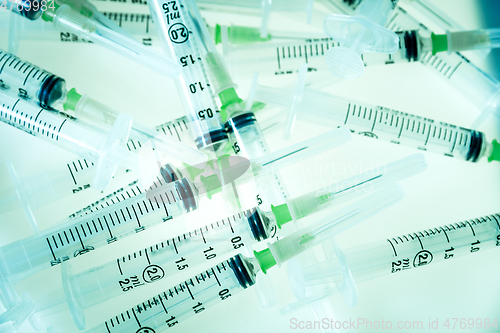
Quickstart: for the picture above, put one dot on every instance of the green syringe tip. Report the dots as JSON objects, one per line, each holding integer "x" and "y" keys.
{"x": 282, "y": 214}
{"x": 439, "y": 43}
{"x": 265, "y": 258}
{"x": 495, "y": 154}
{"x": 72, "y": 98}
{"x": 227, "y": 97}
{"x": 239, "y": 35}
{"x": 217, "y": 34}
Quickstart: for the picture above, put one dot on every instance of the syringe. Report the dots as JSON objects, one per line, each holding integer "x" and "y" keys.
{"x": 475, "y": 85}
{"x": 182, "y": 39}
{"x": 29, "y": 81}
{"x": 32, "y": 82}
{"x": 75, "y": 176}
{"x": 245, "y": 134}
{"x": 224, "y": 280}
{"x": 64, "y": 18}
{"x": 241, "y": 230}
{"x": 102, "y": 147}
{"x": 132, "y": 215}
{"x": 387, "y": 124}
{"x": 265, "y": 6}
{"x": 395, "y": 255}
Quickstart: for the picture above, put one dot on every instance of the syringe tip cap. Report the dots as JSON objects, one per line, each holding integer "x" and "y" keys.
{"x": 439, "y": 43}
{"x": 344, "y": 62}
{"x": 265, "y": 258}
{"x": 495, "y": 154}
{"x": 282, "y": 214}
{"x": 72, "y": 99}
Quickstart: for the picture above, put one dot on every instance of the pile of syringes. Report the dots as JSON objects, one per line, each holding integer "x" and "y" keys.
{"x": 319, "y": 153}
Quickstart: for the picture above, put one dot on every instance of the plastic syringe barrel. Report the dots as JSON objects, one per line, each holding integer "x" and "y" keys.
{"x": 247, "y": 140}
{"x": 186, "y": 299}
{"x": 167, "y": 258}
{"x": 52, "y": 126}
{"x": 410, "y": 251}
{"x": 478, "y": 87}
{"x": 29, "y": 81}
{"x": 24, "y": 8}
{"x": 382, "y": 123}
{"x": 104, "y": 226}
{"x": 192, "y": 84}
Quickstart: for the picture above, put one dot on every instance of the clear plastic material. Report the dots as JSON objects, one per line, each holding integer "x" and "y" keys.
{"x": 386, "y": 124}
{"x": 301, "y": 151}
{"x": 153, "y": 263}
{"x": 476, "y": 86}
{"x": 92, "y": 110}
{"x": 275, "y": 58}
{"x": 68, "y": 20}
{"x": 363, "y": 32}
{"x": 104, "y": 226}
{"x": 317, "y": 232}
{"x": 473, "y": 39}
{"x": 359, "y": 185}
{"x": 182, "y": 39}
{"x": 89, "y": 142}
{"x": 402, "y": 253}
{"x": 74, "y": 177}
{"x": 247, "y": 140}
{"x": 187, "y": 299}
{"x": 266, "y": 7}
{"x": 29, "y": 81}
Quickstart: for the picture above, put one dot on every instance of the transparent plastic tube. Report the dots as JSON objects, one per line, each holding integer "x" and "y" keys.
{"x": 89, "y": 142}
{"x": 274, "y": 58}
{"x": 406, "y": 252}
{"x": 104, "y": 226}
{"x": 67, "y": 20}
{"x": 222, "y": 281}
{"x": 266, "y": 7}
{"x": 359, "y": 185}
{"x": 475, "y": 85}
{"x": 473, "y": 39}
{"x": 185, "y": 251}
{"x": 29, "y": 81}
{"x": 388, "y": 125}
{"x": 153, "y": 263}
{"x": 187, "y": 299}
{"x": 76, "y": 176}
{"x": 182, "y": 39}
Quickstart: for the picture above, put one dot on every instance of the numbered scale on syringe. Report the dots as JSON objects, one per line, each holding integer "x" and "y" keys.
{"x": 189, "y": 298}
{"x": 181, "y": 33}
{"x": 443, "y": 243}
{"x": 76, "y": 176}
{"x": 166, "y": 258}
{"x": 29, "y": 81}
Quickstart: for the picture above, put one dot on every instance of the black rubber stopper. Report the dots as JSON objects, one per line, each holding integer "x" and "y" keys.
{"x": 241, "y": 271}
{"x": 476, "y": 142}
{"x": 47, "y": 94}
{"x": 411, "y": 45}
{"x": 211, "y": 138}
{"x": 256, "y": 226}
{"x": 240, "y": 121}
